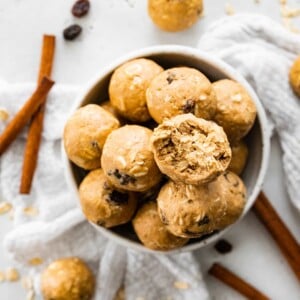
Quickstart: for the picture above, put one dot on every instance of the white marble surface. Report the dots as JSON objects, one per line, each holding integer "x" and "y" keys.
{"x": 112, "y": 28}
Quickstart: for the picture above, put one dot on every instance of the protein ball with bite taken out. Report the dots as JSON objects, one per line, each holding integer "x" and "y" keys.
{"x": 127, "y": 159}
{"x": 190, "y": 149}
{"x": 239, "y": 157}
{"x": 102, "y": 204}
{"x": 67, "y": 278}
{"x": 236, "y": 111}
{"x": 295, "y": 76}
{"x": 85, "y": 133}
{"x": 175, "y": 15}
{"x": 178, "y": 91}
{"x": 128, "y": 85}
{"x": 152, "y": 232}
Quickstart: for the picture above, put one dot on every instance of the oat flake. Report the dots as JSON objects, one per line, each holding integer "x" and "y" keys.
{"x": 181, "y": 285}
{"x": 12, "y": 274}
{"x": 5, "y": 207}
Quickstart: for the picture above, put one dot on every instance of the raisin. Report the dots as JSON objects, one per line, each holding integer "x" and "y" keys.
{"x": 123, "y": 178}
{"x": 118, "y": 198}
{"x": 170, "y": 78}
{"x": 205, "y": 220}
{"x": 72, "y": 32}
{"x": 80, "y": 8}
{"x": 223, "y": 246}
{"x": 189, "y": 106}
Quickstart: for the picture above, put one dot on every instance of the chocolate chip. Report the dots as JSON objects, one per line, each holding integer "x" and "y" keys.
{"x": 80, "y": 8}
{"x": 205, "y": 220}
{"x": 117, "y": 197}
{"x": 223, "y": 246}
{"x": 170, "y": 78}
{"x": 72, "y": 32}
{"x": 189, "y": 106}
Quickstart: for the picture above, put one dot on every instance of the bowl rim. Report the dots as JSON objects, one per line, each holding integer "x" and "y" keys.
{"x": 216, "y": 63}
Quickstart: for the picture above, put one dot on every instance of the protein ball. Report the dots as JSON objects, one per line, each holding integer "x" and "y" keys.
{"x": 127, "y": 159}
{"x": 67, "y": 278}
{"x": 85, "y": 133}
{"x": 295, "y": 76}
{"x": 192, "y": 211}
{"x": 102, "y": 204}
{"x": 236, "y": 111}
{"x": 179, "y": 91}
{"x": 128, "y": 85}
{"x": 239, "y": 157}
{"x": 152, "y": 232}
{"x": 185, "y": 209}
{"x": 175, "y": 15}
{"x": 190, "y": 149}
{"x": 231, "y": 190}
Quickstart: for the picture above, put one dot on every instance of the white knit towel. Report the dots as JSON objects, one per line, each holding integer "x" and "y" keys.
{"x": 261, "y": 50}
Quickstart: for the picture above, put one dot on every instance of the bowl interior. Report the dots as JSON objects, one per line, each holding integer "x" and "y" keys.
{"x": 257, "y": 140}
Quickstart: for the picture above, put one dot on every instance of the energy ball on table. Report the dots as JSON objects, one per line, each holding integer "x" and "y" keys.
{"x": 239, "y": 157}
{"x": 192, "y": 211}
{"x": 85, "y": 133}
{"x": 152, "y": 232}
{"x": 102, "y": 204}
{"x": 295, "y": 76}
{"x": 179, "y": 91}
{"x": 236, "y": 111}
{"x": 127, "y": 88}
{"x": 127, "y": 159}
{"x": 67, "y": 278}
{"x": 175, "y": 15}
{"x": 190, "y": 149}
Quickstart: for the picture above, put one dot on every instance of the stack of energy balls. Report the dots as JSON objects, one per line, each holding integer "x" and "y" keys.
{"x": 170, "y": 136}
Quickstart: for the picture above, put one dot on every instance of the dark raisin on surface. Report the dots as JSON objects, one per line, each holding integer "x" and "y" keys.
{"x": 80, "y": 8}
{"x": 205, "y": 220}
{"x": 223, "y": 246}
{"x": 189, "y": 106}
{"x": 170, "y": 78}
{"x": 117, "y": 197}
{"x": 72, "y": 32}
{"x": 100, "y": 223}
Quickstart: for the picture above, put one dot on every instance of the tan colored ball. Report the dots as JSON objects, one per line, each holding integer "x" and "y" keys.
{"x": 128, "y": 85}
{"x": 85, "y": 133}
{"x": 239, "y": 157}
{"x": 127, "y": 159}
{"x": 178, "y": 91}
{"x": 152, "y": 232}
{"x": 236, "y": 111}
{"x": 295, "y": 76}
{"x": 175, "y": 15}
{"x": 102, "y": 204}
{"x": 191, "y": 150}
{"x": 66, "y": 279}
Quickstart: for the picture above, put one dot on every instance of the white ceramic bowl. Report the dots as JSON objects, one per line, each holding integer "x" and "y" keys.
{"x": 170, "y": 56}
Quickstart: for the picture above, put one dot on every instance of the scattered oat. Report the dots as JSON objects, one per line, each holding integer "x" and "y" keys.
{"x": 30, "y": 211}
{"x": 283, "y": 2}
{"x": 5, "y": 207}
{"x": 4, "y": 115}
{"x": 27, "y": 283}
{"x": 30, "y": 295}
{"x": 181, "y": 285}
{"x": 35, "y": 261}
{"x": 287, "y": 23}
{"x": 229, "y": 9}
{"x": 287, "y": 12}
{"x": 2, "y": 276}
{"x": 12, "y": 274}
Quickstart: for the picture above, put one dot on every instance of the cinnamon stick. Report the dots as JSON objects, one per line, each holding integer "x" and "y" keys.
{"x": 25, "y": 113}
{"x": 235, "y": 282}
{"x": 281, "y": 234}
{"x": 36, "y": 126}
